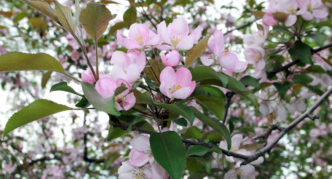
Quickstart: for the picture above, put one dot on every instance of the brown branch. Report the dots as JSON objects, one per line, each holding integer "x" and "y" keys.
{"x": 229, "y": 96}
{"x": 307, "y": 114}
{"x": 43, "y": 159}
{"x": 241, "y": 27}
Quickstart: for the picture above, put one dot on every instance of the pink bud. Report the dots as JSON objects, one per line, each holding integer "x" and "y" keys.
{"x": 87, "y": 76}
{"x": 172, "y": 59}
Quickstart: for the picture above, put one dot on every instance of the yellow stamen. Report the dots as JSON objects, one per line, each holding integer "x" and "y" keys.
{"x": 139, "y": 39}
{"x": 175, "y": 40}
{"x": 233, "y": 150}
{"x": 175, "y": 88}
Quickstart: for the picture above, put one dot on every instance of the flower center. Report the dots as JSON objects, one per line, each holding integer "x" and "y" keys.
{"x": 175, "y": 40}
{"x": 234, "y": 150}
{"x": 138, "y": 173}
{"x": 175, "y": 88}
{"x": 139, "y": 39}
{"x": 309, "y": 6}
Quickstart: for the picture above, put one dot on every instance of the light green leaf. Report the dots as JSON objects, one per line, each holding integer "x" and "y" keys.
{"x": 17, "y": 61}
{"x": 95, "y": 18}
{"x": 65, "y": 17}
{"x": 45, "y": 78}
{"x": 196, "y": 51}
{"x": 104, "y": 104}
{"x": 36, "y": 110}
{"x": 169, "y": 151}
{"x": 216, "y": 125}
{"x": 63, "y": 86}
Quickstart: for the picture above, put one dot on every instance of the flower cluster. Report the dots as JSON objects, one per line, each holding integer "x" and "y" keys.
{"x": 141, "y": 163}
{"x": 308, "y": 9}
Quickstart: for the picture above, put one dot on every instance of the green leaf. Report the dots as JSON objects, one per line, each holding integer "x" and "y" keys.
{"x": 180, "y": 109}
{"x": 103, "y": 104}
{"x": 302, "y": 79}
{"x": 216, "y": 125}
{"x": 17, "y": 61}
{"x": 65, "y": 17}
{"x": 201, "y": 73}
{"x": 95, "y": 18}
{"x": 282, "y": 88}
{"x": 36, "y": 110}
{"x": 45, "y": 8}
{"x": 45, "y": 78}
{"x": 301, "y": 51}
{"x": 130, "y": 16}
{"x": 169, "y": 151}
{"x": 197, "y": 150}
{"x": 115, "y": 132}
{"x": 213, "y": 99}
{"x": 250, "y": 81}
{"x": 193, "y": 132}
{"x": 196, "y": 51}
{"x": 83, "y": 103}
{"x": 63, "y": 86}
{"x": 181, "y": 122}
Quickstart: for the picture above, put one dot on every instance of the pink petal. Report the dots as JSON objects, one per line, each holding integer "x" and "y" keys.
{"x": 321, "y": 13}
{"x": 141, "y": 143}
{"x": 173, "y": 58}
{"x": 120, "y": 59}
{"x": 185, "y": 43}
{"x": 129, "y": 102}
{"x": 216, "y": 43}
{"x": 182, "y": 93}
{"x": 236, "y": 141}
{"x": 197, "y": 33}
{"x": 291, "y": 20}
{"x": 269, "y": 20}
{"x": 179, "y": 27}
{"x": 138, "y": 158}
{"x": 106, "y": 86}
{"x": 162, "y": 31}
{"x": 183, "y": 76}
{"x": 228, "y": 60}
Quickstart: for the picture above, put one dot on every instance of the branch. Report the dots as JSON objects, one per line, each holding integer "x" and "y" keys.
{"x": 241, "y": 27}
{"x": 307, "y": 114}
{"x": 44, "y": 159}
{"x": 268, "y": 133}
{"x": 229, "y": 96}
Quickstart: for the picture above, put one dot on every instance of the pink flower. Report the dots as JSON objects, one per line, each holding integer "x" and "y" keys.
{"x": 230, "y": 61}
{"x": 87, "y": 76}
{"x": 139, "y": 37}
{"x": 9, "y": 168}
{"x": 140, "y": 154}
{"x": 310, "y": 9}
{"x": 216, "y": 43}
{"x": 176, "y": 34}
{"x": 128, "y": 66}
{"x": 172, "y": 59}
{"x": 269, "y": 20}
{"x": 151, "y": 171}
{"x": 254, "y": 54}
{"x": 106, "y": 86}
{"x": 177, "y": 84}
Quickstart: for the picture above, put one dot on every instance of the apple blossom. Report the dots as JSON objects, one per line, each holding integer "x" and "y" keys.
{"x": 176, "y": 34}
{"x": 177, "y": 84}
{"x": 139, "y": 37}
{"x": 172, "y": 58}
{"x": 128, "y": 66}
{"x": 88, "y": 77}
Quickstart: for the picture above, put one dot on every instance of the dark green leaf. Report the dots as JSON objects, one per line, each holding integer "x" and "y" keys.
{"x": 45, "y": 78}
{"x": 301, "y": 51}
{"x": 302, "y": 79}
{"x": 169, "y": 151}
{"x": 250, "y": 81}
{"x": 180, "y": 109}
{"x": 63, "y": 86}
{"x": 197, "y": 150}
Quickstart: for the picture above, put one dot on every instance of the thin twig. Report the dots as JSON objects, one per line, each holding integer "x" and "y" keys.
{"x": 229, "y": 96}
